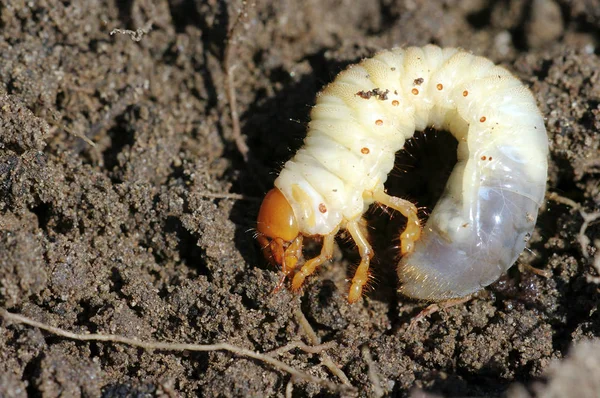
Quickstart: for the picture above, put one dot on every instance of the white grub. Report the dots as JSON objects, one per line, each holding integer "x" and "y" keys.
{"x": 490, "y": 203}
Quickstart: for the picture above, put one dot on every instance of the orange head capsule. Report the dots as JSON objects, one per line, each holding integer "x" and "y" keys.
{"x": 278, "y": 232}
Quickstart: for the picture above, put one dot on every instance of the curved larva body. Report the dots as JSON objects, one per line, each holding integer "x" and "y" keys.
{"x": 490, "y": 203}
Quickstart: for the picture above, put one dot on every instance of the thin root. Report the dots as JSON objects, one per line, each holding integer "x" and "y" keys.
{"x": 433, "y": 308}
{"x": 155, "y": 345}
{"x": 228, "y": 69}
{"x": 310, "y": 349}
{"x": 325, "y": 358}
{"x": 225, "y": 195}
{"x": 582, "y": 238}
{"x": 373, "y": 376}
{"x": 545, "y": 273}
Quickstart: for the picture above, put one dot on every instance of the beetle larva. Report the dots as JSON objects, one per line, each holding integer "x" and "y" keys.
{"x": 490, "y": 203}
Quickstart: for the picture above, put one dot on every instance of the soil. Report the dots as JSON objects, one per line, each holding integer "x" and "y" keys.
{"x": 144, "y": 228}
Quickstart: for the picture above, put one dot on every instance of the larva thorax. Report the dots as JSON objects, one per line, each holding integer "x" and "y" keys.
{"x": 365, "y": 116}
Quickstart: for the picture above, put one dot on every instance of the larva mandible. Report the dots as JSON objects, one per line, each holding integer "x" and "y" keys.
{"x": 490, "y": 203}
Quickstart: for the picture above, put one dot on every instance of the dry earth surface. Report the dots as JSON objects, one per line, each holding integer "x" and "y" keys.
{"x": 144, "y": 228}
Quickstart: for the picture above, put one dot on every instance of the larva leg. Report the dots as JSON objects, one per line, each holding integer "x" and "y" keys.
{"x": 412, "y": 232}
{"x": 290, "y": 256}
{"x": 311, "y": 265}
{"x": 361, "y": 276}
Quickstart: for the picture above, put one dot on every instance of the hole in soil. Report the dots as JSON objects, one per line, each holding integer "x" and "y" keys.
{"x": 120, "y": 139}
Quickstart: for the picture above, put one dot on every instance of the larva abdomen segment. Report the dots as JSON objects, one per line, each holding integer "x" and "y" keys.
{"x": 448, "y": 265}
{"x": 349, "y": 134}
{"x": 488, "y": 209}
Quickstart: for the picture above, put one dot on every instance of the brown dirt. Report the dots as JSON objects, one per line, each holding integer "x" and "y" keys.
{"x": 123, "y": 238}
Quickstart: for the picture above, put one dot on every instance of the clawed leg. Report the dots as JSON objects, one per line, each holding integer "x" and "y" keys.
{"x": 311, "y": 265}
{"x": 361, "y": 276}
{"x": 277, "y": 254}
{"x": 412, "y": 232}
{"x": 433, "y": 308}
{"x": 290, "y": 258}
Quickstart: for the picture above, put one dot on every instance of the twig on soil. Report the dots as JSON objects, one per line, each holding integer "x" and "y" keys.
{"x": 315, "y": 341}
{"x": 314, "y": 349}
{"x": 155, "y": 345}
{"x": 228, "y": 69}
{"x": 582, "y": 238}
{"x": 76, "y": 134}
{"x": 289, "y": 389}
{"x": 136, "y": 35}
{"x": 234, "y": 196}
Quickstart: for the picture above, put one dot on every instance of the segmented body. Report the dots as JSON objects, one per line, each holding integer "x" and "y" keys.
{"x": 490, "y": 203}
